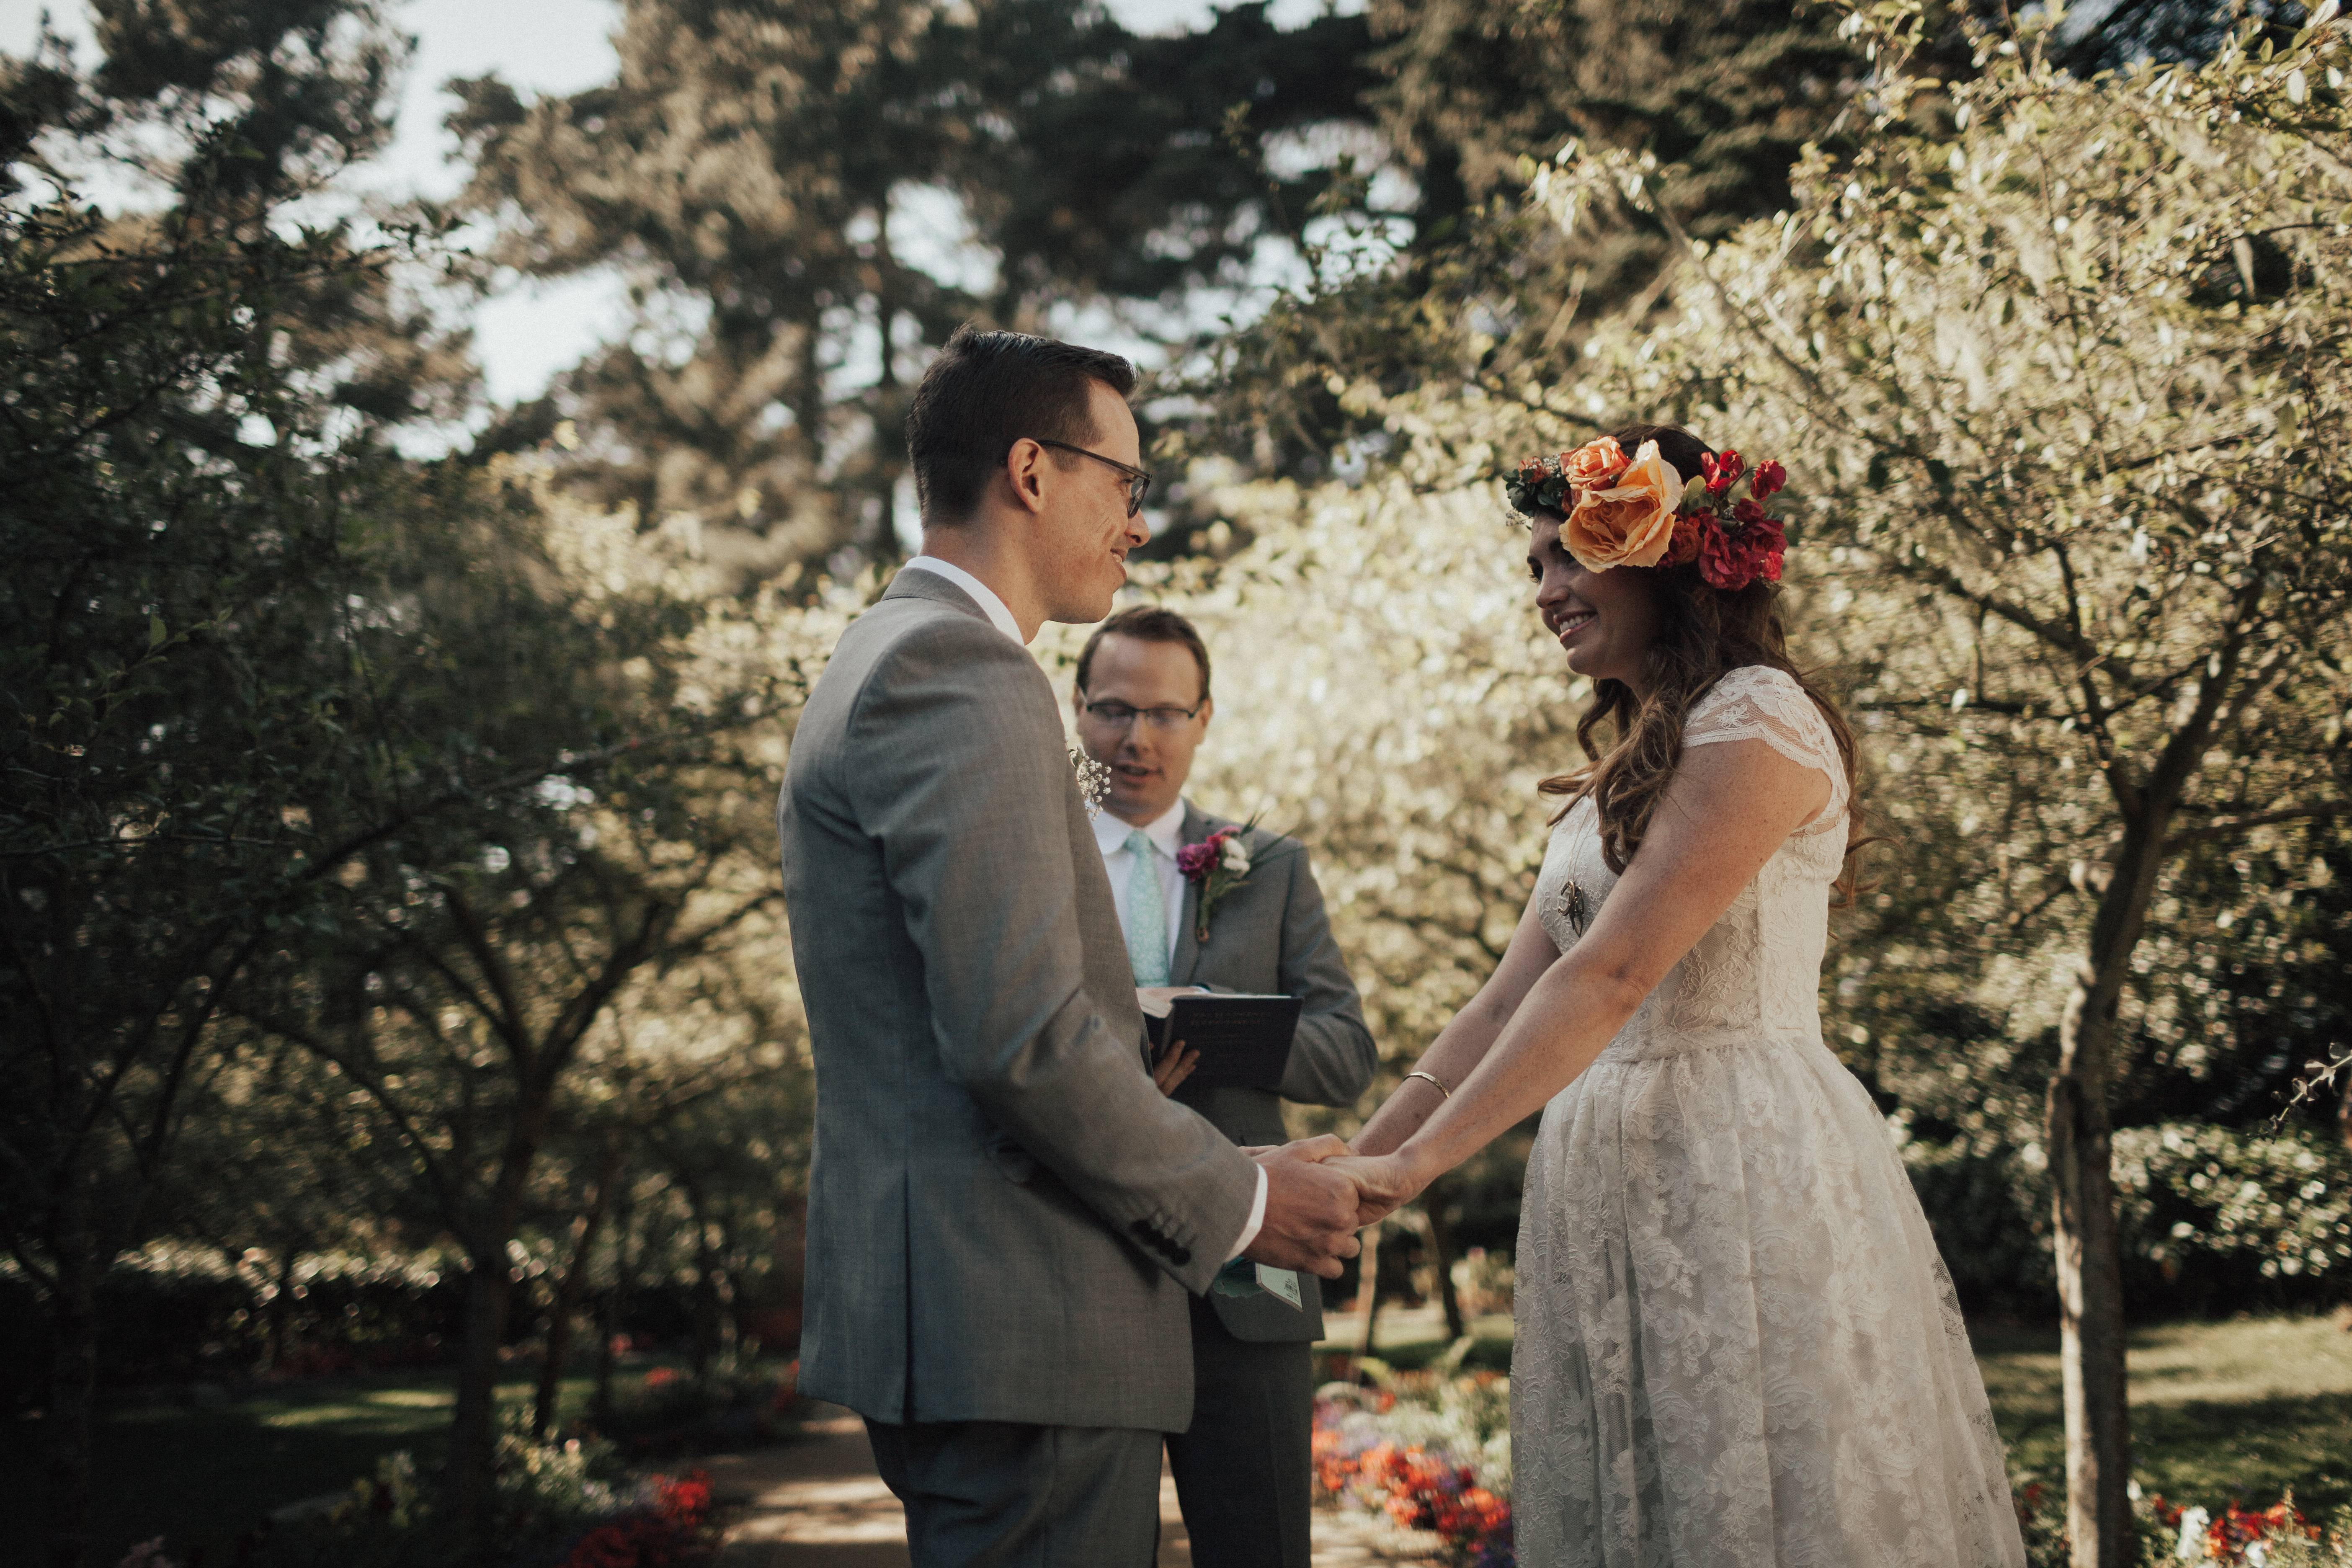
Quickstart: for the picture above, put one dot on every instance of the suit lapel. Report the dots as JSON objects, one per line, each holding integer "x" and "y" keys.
{"x": 1198, "y": 825}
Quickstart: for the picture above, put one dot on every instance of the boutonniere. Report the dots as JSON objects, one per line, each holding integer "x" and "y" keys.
{"x": 1216, "y": 865}
{"x": 1094, "y": 782}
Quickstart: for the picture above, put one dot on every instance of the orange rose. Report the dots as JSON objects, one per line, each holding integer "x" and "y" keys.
{"x": 1631, "y": 522}
{"x": 1592, "y": 465}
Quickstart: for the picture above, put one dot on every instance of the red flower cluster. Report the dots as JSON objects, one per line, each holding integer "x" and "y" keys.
{"x": 2227, "y": 1537}
{"x": 649, "y": 1539}
{"x": 1421, "y": 1491}
{"x": 1197, "y": 860}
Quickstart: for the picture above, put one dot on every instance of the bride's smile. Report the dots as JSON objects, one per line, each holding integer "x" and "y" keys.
{"x": 1604, "y": 620}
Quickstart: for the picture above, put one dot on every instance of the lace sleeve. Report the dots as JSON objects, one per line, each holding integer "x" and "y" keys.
{"x": 1757, "y": 702}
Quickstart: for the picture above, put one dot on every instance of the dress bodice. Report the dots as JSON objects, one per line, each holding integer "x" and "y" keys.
{"x": 1757, "y": 972}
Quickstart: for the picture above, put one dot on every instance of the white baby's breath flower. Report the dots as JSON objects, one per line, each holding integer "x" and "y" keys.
{"x": 1236, "y": 858}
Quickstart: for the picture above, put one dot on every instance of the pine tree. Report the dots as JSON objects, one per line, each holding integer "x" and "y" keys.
{"x": 749, "y": 166}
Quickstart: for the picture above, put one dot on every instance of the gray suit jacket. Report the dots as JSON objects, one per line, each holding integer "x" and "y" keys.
{"x": 1005, "y": 1213}
{"x": 1270, "y": 935}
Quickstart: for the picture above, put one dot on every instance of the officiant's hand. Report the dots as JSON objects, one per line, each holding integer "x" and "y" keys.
{"x": 1173, "y": 1066}
{"x": 1310, "y": 1209}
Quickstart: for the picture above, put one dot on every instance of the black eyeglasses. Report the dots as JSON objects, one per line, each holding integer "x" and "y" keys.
{"x": 1119, "y": 715}
{"x": 1139, "y": 483}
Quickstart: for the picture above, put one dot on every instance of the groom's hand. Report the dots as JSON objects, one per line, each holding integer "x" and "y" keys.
{"x": 1310, "y": 1211}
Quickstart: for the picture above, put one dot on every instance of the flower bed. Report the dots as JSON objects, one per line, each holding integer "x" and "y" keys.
{"x": 674, "y": 1413}
{"x": 558, "y": 1505}
{"x": 1429, "y": 1450}
{"x": 2278, "y": 1536}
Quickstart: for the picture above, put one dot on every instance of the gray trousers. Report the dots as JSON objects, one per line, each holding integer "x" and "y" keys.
{"x": 1004, "y": 1494}
{"x": 1244, "y": 1469}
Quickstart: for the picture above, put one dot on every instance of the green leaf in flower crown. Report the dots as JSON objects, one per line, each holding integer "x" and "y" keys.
{"x": 1694, "y": 495}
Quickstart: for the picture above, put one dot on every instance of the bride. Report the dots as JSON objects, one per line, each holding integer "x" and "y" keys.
{"x": 1735, "y": 1342}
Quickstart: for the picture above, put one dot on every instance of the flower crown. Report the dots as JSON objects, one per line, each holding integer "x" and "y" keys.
{"x": 1639, "y": 512}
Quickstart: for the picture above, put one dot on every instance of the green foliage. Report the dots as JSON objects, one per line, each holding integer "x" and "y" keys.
{"x": 2207, "y": 1198}
{"x": 764, "y": 177}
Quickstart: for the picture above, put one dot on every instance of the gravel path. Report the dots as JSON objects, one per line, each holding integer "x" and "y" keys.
{"x": 817, "y": 1504}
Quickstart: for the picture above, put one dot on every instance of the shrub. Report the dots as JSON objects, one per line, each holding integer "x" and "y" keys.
{"x": 562, "y": 1505}
{"x": 673, "y": 1412}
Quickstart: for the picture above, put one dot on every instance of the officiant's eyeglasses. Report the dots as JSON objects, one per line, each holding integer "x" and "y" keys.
{"x": 1139, "y": 483}
{"x": 1119, "y": 715}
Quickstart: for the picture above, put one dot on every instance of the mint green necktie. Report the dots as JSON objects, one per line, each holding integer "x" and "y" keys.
{"x": 1146, "y": 915}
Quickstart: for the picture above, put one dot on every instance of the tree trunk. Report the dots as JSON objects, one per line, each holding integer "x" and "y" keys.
{"x": 473, "y": 1425}
{"x": 1441, "y": 1250}
{"x": 2089, "y": 1253}
{"x": 281, "y": 1310}
{"x": 2090, "y": 1299}
{"x": 568, "y": 1293}
{"x": 615, "y": 1306}
{"x": 1368, "y": 1290}
{"x": 73, "y": 1386}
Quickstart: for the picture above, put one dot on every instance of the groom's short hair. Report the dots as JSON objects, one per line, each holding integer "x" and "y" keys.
{"x": 986, "y": 391}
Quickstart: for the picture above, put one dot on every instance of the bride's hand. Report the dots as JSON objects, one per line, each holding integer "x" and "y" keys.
{"x": 1384, "y": 1183}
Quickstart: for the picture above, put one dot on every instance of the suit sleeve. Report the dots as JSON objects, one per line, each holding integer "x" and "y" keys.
{"x": 1331, "y": 1056}
{"x": 962, "y": 762}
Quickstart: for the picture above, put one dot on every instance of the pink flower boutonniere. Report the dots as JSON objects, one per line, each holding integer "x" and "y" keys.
{"x": 1217, "y": 864}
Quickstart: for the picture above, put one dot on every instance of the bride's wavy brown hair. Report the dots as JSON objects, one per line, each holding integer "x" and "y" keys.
{"x": 1704, "y": 634}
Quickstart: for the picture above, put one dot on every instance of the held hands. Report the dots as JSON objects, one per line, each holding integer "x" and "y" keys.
{"x": 1384, "y": 1183}
{"x": 1310, "y": 1209}
{"x": 1323, "y": 1195}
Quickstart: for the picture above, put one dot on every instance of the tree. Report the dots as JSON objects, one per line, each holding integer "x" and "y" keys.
{"x": 171, "y": 705}
{"x": 466, "y": 976}
{"x": 755, "y": 173}
{"x": 2065, "y": 387}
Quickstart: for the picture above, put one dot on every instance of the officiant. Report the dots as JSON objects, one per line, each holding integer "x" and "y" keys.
{"x": 1243, "y": 1470}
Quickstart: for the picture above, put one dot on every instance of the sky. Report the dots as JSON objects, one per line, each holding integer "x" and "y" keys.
{"x": 529, "y": 331}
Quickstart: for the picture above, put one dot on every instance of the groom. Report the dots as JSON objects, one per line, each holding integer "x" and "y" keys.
{"x": 1005, "y": 1213}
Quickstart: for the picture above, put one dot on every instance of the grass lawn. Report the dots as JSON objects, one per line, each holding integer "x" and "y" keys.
{"x": 201, "y": 1476}
{"x": 2246, "y": 1408}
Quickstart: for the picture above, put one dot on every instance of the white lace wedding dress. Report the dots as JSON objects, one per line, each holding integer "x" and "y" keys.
{"x": 1735, "y": 1342}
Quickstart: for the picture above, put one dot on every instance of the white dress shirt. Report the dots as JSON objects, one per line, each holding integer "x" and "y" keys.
{"x": 981, "y": 593}
{"x": 1166, "y": 832}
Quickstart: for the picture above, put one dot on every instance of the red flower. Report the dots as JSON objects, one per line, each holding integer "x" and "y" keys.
{"x": 1683, "y": 548}
{"x": 1748, "y": 514}
{"x": 1722, "y": 470}
{"x": 1732, "y": 560}
{"x": 1769, "y": 477}
{"x": 1197, "y": 860}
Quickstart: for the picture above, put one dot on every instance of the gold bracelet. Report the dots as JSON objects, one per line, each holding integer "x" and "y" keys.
{"x": 1434, "y": 1078}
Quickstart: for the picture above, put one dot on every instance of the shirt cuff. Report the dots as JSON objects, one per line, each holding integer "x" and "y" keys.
{"x": 1256, "y": 1218}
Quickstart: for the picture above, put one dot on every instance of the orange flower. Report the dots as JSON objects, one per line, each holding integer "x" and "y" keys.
{"x": 1631, "y": 522}
{"x": 1593, "y": 465}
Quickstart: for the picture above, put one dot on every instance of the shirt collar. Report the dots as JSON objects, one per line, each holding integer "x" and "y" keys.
{"x": 981, "y": 594}
{"x": 1166, "y": 831}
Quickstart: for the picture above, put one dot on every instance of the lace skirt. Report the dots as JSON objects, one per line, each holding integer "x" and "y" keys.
{"x": 1737, "y": 1344}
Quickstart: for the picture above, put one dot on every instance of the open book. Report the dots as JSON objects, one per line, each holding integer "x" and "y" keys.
{"x": 1243, "y": 1039}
